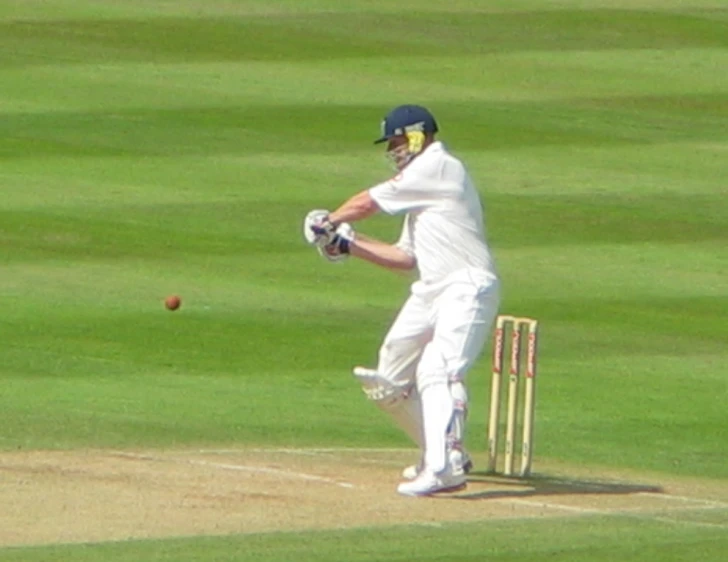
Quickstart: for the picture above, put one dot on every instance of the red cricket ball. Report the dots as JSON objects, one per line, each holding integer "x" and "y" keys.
{"x": 172, "y": 302}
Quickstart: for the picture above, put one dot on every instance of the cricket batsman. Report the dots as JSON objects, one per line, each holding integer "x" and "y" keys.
{"x": 443, "y": 325}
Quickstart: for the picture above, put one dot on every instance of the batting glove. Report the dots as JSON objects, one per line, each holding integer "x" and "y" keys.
{"x": 318, "y": 230}
{"x": 338, "y": 248}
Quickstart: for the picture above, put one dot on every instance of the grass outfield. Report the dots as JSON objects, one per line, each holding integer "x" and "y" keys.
{"x": 153, "y": 147}
{"x": 593, "y": 539}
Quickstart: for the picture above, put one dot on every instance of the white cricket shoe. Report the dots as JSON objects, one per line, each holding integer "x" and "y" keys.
{"x": 427, "y": 482}
{"x": 460, "y": 460}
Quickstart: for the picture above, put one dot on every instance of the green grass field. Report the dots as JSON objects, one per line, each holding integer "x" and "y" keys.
{"x": 152, "y": 147}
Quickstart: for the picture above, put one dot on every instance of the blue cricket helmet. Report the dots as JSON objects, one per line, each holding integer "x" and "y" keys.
{"x": 407, "y": 118}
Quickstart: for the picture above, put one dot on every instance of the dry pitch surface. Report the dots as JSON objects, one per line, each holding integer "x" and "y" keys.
{"x": 93, "y": 496}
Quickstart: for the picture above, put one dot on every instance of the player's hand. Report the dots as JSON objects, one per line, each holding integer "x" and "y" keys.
{"x": 318, "y": 230}
{"x": 338, "y": 249}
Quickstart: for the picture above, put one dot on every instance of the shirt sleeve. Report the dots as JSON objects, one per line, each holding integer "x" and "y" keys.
{"x": 408, "y": 191}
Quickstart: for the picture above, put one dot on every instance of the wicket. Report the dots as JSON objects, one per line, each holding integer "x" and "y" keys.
{"x": 516, "y": 325}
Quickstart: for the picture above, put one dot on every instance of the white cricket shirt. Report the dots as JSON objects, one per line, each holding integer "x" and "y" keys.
{"x": 444, "y": 226}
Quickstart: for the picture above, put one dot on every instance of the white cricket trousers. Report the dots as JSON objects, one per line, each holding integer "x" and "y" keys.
{"x": 433, "y": 342}
{"x": 437, "y": 337}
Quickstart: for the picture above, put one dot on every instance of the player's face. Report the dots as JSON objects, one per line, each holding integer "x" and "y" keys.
{"x": 398, "y": 151}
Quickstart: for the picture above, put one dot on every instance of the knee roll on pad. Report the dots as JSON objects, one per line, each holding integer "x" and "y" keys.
{"x": 376, "y": 387}
{"x": 402, "y": 405}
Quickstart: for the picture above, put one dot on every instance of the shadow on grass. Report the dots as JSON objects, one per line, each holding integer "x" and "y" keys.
{"x": 544, "y": 485}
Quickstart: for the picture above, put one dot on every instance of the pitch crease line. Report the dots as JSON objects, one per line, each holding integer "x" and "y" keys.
{"x": 558, "y": 506}
{"x": 274, "y": 471}
{"x": 626, "y": 513}
{"x": 686, "y": 499}
{"x": 305, "y": 451}
{"x": 243, "y": 468}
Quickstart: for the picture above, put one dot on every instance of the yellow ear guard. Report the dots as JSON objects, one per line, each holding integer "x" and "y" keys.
{"x": 415, "y": 140}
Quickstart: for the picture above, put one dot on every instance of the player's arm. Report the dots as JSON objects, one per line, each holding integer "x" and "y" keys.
{"x": 358, "y": 207}
{"x": 381, "y": 253}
